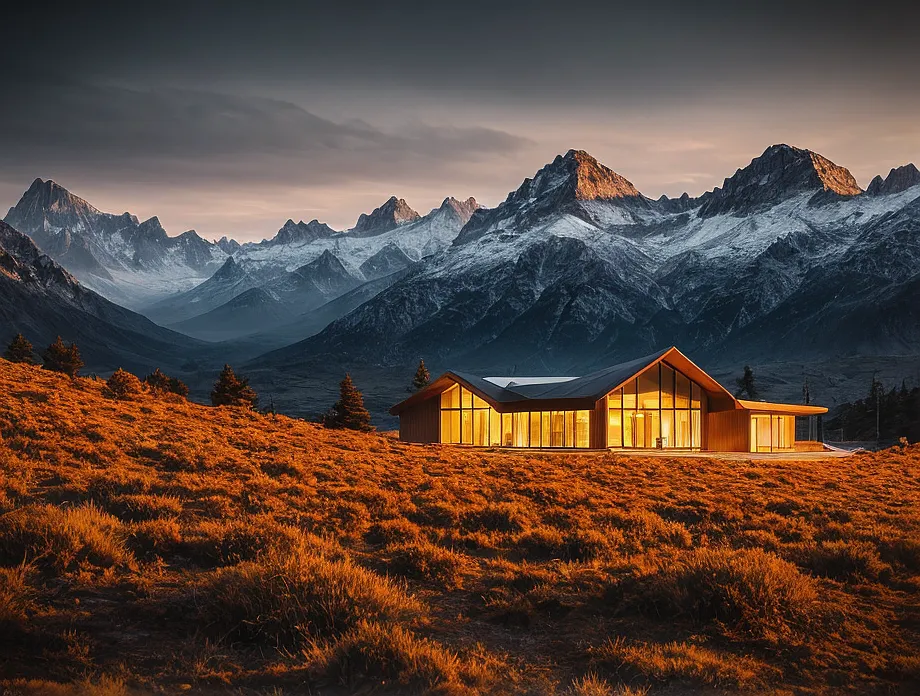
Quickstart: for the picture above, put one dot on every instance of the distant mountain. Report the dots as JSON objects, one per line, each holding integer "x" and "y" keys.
{"x": 898, "y": 180}
{"x": 576, "y": 269}
{"x": 42, "y": 301}
{"x": 781, "y": 172}
{"x": 301, "y": 233}
{"x": 126, "y": 260}
{"x": 255, "y": 308}
{"x": 392, "y": 214}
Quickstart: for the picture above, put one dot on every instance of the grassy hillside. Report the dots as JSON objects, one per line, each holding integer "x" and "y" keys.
{"x": 157, "y": 545}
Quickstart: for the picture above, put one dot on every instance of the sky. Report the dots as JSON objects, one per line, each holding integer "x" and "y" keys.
{"x": 230, "y": 118}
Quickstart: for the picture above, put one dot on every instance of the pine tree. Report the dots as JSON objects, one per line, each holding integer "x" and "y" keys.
{"x": 62, "y": 358}
{"x": 422, "y": 378}
{"x": 122, "y": 385}
{"x": 746, "y": 384}
{"x": 160, "y": 383}
{"x": 230, "y": 390}
{"x": 348, "y": 412}
{"x": 20, "y": 350}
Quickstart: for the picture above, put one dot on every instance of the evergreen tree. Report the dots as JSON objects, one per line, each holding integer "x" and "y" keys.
{"x": 20, "y": 350}
{"x": 160, "y": 383}
{"x": 62, "y": 358}
{"x": 422, "y": 378}
{"x": 746, "y": 385}
{"x": 122, "y": 385}
{"x": 806, "y": 393}
{"x": 230, "y": 390}
{"x": 348, "y": 412}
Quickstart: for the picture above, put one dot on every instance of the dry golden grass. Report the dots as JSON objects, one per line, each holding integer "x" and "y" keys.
{"x": 151, "y": 544}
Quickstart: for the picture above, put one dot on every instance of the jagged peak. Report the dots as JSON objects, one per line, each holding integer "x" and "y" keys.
{"x": 393, "y": 213}
{"x": 588, "y": 179}
{"x": 463, "y": 209}
{"x": 899, "y": 179}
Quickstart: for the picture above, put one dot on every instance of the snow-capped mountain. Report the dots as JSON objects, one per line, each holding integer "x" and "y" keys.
{"x": 131, "y": 262}
{"x": 577, "y": 268}
{"x": 41, "y": 300}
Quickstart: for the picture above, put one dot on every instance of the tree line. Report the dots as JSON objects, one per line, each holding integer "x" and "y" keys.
{"x": 230, "y": 389}
{"x": 885, "y": 415}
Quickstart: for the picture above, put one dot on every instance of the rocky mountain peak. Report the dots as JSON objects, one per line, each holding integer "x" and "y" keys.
{"x": 228, "y": 246}
{"x": 586, "y": 179}
{"x": 781, "y": 172}
{"x": 392, "y": 214}
{"x": 230, "y": 271}
{"x": 898, "y": 180}
{"x": 462, "y": 209}
{"x": 302, "y": 232}
{"x": 45, "y": 204}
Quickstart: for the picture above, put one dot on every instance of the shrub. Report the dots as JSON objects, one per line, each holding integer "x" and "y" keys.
{"x": 158, "y": 383}
{"x": 426, "y": 561}
{"x": 395, "y": 531}
{"x": 664, "y": 662}
{"x": 122, "y": 385}
{"x": 151, "y": 539}
{"x": 495, "y": 517}
{"x": 376, "y": 653}
{"x": 138, "y": 507}
{"x": 62, "y": 538}
{"x": 289, "y": 600}
{"x": 231, "y": 541}
{"x": 16, "y": 599}
{"x": 593, "y": 685}
{"x": 846, "y": 560}
{"x": 62, "y": 358}
{"x": 747, "y": 594}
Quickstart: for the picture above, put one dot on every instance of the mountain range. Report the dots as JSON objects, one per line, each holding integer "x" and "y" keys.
{"x": 788, "y": 262}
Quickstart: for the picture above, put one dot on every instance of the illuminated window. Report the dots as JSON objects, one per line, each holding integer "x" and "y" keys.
{"x": 507, "y": 430}
{"x": 545, "y": 428}
{"x": 495, "y": 428}
{"x": 648, "y": 389}
{"x": 535, "y": 429}
{"x": 582, "y": 428}
{"x": 615, "y": 427}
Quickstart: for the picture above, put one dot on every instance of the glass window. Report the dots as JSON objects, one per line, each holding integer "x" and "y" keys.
{"x": 667, "y": 428}
{"x": 466, "y": 398}
{"x": 451, "y": 397}
{"x": 450, "y": 427}
{"x": 682, "y": 391}
{"x": 614, "y": 428}
{"x": 495, "y": 428}
{"x": 570, "y": 428}
{"x": 695, "y": 401}
{"x": 667, "y": 387}
{"x": 466, "y": 427}
{"x": 648, "y": 388}
{"x": 583, "y": 428}
{"x": 545, "y": 428}
{"x": 481, "y": 427}
{"x": 615, "y": 400}
{"x": 521, "y": 421}
{"x": 507, "y": 430}
{"x": 696, "y": 436}
{"x": 629, "y": 395}
{"x": 479, "y": 403}
{"x": 629, "y": 428}
{"x": 535, "y": 429}
{"x": 783, "y": 432}
{"x": 558, "y": 428}
{"x": 681, "y": 428}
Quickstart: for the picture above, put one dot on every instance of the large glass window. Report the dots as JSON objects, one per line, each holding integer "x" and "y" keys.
{"x": 660, "y": 408}
{"x": 772, "y": 433}
{"x": 535, "y": 429}
{"x": 465, "y": 418}
{"x": 582, "y": 428}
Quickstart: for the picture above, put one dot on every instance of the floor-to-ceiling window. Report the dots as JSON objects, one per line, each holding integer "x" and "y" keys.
{"x": 772, "y": 433}
{"x": 468, "y": 420}
{"x": 660, "y": 408}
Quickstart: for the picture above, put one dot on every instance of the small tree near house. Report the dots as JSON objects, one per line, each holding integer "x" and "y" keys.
{"x": 20, "y": 351}
{"x": 348, "y": 412}
{"x": 122, "y": 385}
{"x": 421, "y": 379}
{"x": 62, "y": 358}
{"x": 745, "y": 384}
{"x": 230, "y": 390}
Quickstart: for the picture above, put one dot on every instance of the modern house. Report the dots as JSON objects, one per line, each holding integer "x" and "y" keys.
{"x": 659, "y": 401}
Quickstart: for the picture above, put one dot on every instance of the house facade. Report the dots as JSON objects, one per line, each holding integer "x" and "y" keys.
{"x": 659, "y": 401}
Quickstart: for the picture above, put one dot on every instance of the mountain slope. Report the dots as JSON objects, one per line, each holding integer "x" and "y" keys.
{"x": 130, "y": 262}
{"x": 41, "y": 300}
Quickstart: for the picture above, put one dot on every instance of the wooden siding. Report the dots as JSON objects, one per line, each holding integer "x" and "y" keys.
{"x": 728, "y": 431}
{"x": 599, "y": 424}
{"x": 421, "y": 422}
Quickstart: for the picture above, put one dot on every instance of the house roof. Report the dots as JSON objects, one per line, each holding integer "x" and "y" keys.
{"x": 510, "y": 394}
{"x": 782, "y": 409}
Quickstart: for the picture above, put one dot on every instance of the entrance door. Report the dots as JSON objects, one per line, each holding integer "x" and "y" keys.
{"x": 761, "y": 433}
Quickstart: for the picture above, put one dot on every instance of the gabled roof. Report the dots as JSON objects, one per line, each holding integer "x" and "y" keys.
{"x": 571, "y": 393}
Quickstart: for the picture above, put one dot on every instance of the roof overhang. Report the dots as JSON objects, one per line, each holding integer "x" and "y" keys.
{"x": 781, "y": 409}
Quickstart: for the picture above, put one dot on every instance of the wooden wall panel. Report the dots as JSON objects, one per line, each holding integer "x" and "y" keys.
{"x": 421, "y": 422}
{"x": 728, "y": 431}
